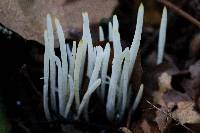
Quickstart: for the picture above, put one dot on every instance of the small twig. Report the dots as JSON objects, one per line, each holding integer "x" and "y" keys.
{"x": 170, "y": 115}
{"x": 180, "y": 12}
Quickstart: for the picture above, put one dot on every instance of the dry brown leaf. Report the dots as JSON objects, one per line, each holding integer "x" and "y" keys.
{"x": 162, "y": 119}
{"x": 164, "y": 83}
{"x": 27, "y": 17}
{"x": 158, "y": 98}
{"x": 186, "y": 113}
{"x": 191, "y": 84}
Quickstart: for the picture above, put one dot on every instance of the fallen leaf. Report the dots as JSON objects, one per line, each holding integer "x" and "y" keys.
{"x": 162, "y": 119}
{"x": 185, "y": 113}
{"x": 164, "y": 84}
{"x": 191, "y": 83}
{"x": 28, "y": 17}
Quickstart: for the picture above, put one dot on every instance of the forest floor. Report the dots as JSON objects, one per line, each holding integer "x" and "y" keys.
{"x": 171, "y": 99}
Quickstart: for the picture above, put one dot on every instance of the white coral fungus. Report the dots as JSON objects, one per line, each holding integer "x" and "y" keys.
{"x": 63, "y": 76}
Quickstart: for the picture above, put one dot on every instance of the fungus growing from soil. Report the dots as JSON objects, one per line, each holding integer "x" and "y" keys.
{"x": 64, "y": 75}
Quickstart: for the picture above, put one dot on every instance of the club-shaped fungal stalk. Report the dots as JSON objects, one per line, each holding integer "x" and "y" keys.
{"x": 114, "y": 86}
{"x": 61, "y": 38}
{"x": 162, "y": 36}
{"x": 110, "y": 29}
{"x": 116, "y": 37}
{"x": 71, "y": 97}
{"x": 88, "y": 40}
{"x": 95, "y": 73}
{"x": 138, "y": 98}
{"x": 78, "y": 63}
{"x": 101, "y": 34}
{"x": 97, "y": 65}
{"x": 137, "y": 37}
{"x": 72, "y": 60}
{"x": 125, "y": 81}
{"x": 104, "y": 70}
{"x": 60, "y": 85}
{"x": 50, "y": 37}
{"x": 87, "y": 95}
{"x": 46, "y": 77}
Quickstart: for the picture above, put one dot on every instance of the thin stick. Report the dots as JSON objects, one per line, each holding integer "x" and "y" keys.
{"x": 180, "y": 12}
{"x": 170, "y": 115}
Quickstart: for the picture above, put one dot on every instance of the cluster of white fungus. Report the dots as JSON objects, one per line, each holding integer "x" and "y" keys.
{"x": 63, "y": 76}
